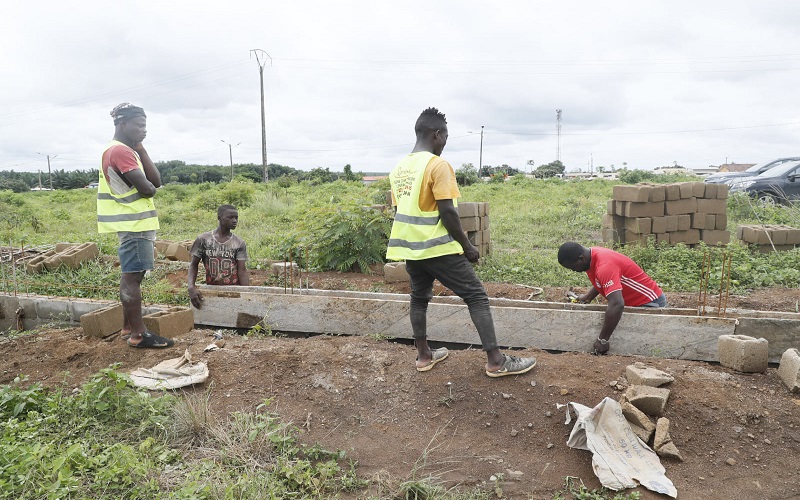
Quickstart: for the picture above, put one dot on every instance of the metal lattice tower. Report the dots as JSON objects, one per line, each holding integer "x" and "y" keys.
{"x": 558, "y": 134}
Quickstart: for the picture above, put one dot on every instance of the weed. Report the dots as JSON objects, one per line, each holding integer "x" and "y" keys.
{"x": 575, "y": 489}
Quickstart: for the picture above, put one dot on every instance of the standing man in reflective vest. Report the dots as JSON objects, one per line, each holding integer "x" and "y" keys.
{"x": 127, "y": 183}
{"x": 427, "y": 234}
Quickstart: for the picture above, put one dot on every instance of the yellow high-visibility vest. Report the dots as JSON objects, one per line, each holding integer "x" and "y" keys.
{"x": 128, "y": 211}
{"x": 416, "y": 235}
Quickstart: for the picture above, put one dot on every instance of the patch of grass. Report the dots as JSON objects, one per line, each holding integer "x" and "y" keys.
{"x": 575, "y": 489}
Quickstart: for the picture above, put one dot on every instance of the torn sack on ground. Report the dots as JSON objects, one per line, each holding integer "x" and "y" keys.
{"x": 171, "y": 373}
{"x": 619, "y": 457}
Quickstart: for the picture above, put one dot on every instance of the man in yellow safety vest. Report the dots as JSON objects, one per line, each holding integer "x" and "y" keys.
{"x": 128, "y": 180}
{"x": 427, "y": 234}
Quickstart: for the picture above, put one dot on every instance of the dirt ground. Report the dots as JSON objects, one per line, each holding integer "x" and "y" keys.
{"x": 739, "y": 434}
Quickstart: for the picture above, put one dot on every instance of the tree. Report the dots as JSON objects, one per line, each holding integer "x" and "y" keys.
{"x": 551, "y": 169}
{"x": 467, "y": 174}
{"x": 348, "y": 173}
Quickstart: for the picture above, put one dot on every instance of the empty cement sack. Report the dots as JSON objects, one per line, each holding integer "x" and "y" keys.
{"x": 171, "y": 374}
{"x": 619, "y": 458}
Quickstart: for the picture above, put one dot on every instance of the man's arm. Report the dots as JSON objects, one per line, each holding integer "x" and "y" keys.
{"x": 616, "y": 305}
{"x": 244, "y": 275}
{"x": 150, "y": 171}
{"x": 452, "y": 222}
{"x": 194, "y": 294}
{"x": 588, "y": 296}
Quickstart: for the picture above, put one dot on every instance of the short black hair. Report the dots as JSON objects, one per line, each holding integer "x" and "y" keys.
{"x": 222, "y": 208}
{"x": 429, "y": 121}
{"x": 569, "y": 252}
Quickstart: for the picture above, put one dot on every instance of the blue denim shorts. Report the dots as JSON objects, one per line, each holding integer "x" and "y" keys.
{"x": 136, "y": 251}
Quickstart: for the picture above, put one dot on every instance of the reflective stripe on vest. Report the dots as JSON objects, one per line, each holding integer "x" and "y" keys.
{"x": 128, "y": 211}
{"x": 416, "y": 235}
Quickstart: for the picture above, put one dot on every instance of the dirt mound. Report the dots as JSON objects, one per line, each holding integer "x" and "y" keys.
{"x": 363, "y": 396}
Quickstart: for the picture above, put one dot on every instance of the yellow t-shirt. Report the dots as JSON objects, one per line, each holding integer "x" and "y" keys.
{"x": 438, "y": 183}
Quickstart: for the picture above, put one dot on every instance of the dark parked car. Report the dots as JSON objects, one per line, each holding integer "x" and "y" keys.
{"x": 729, "y": 177}
{"x": 780, "y": 184}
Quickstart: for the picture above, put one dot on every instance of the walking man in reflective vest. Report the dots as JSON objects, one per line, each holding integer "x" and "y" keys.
{"x": 427, "y": 234}
{"x": 127, "y": 184}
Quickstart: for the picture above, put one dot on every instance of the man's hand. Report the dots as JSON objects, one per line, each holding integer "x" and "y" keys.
{"x": 471, "y": 253}
{"x": 601, "y": 346}
{"x": 584, "y": 298}
{"x": 196, "y": 297}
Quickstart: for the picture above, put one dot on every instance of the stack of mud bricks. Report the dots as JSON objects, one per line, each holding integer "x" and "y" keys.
{"x": 64, "y": 254}
{"x": 769, "y": 236}
{"x": 475, "y": 222}
{"x": 684, "y": 212}
{"x": 179, "y": 251}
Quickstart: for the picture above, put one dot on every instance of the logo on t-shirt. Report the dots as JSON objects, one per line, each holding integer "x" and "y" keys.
{"x": 604, "y": 285}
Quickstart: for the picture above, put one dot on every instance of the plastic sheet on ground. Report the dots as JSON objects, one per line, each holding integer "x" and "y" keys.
{"x": 619, "y": 457}
{"x": 171, "y": 374}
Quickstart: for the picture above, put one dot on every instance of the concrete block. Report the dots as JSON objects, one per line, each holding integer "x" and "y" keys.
{"x": 36, "y": 264}
{"x": 55, "y": 308}
{"x": 636, "y": 417}
{"x": 715, "y": 206}
{"x": 641, "y": 374}
{"x": 632, "y": 193}
{"x": 779, "y": 234}
{"x": 743, "y": 353}
{"x": 657, "y": 193}
{"x": 672, "y": 192}
{"x": 789, "y": 369}
{"x": 778, "y": 248}
{"x": 687, "y": 190}
{"x": 662, "y": 442}
{"x": 715, "y": 237}
{"x": 162, "y": 246}
{"x": 612, "y": 222}
{"x": 711, "y": 190}
{"x": 484, "y": 223}
{"x": 650, "y": 400}
{"x": 612, "y": 235}
{"x": 178, "y": 252}
{"x": 52, "y": 263}
{"x": 792, "y": 235}
{"x": 756, "y": 234}
{"x": 669, "y": 450}
{"x": 658, "y": 225}
{"x": 103, "y": 322}
{"x": 662, "y": 238}
{"x": 722, "y": 192}
{"x": 638, "y": 225}
{"x": 698, "y": 221}
{"x": 611, "y": 207}
{"x": 720, "y": 222}
{"x": 395, "y": 272}
{"x": 699, "y": 189}
{"x": 711, "y": 221}
{"x": 475, "y": 237}
{"x": 631, "y": 238}
{"x": 641, "y": 433}
{"x": 688, "y": 237}
{"x": 644, "y": 209}
{"x": 684, "y": 222}
{"x": 8, "y": 306}
{"x": 75, "y": 256}
{"x": 471, "y": 223}
{"x": 681, "y": 206}
{"x": 171, "y": 322}
{"x": 60, "y": 247}
{"x": 469, "y": 209}
{"x": 671, "y": 223}
{"x": 484, "y": 208}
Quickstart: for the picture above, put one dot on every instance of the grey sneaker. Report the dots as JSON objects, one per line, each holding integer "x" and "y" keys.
{"x": 513, "y": 365}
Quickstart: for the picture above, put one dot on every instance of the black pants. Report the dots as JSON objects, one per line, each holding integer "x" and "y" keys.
{"x": 456, "y": 273}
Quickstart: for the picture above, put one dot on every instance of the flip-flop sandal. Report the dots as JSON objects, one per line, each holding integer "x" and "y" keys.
{"x": 153, "y": 341}
{"x": 437, "y": 355}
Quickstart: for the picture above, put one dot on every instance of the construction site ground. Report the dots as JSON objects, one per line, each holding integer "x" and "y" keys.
{"x": 739, "y": 434}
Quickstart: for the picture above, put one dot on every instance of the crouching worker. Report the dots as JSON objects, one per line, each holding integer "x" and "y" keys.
{"x": 617, "y": 278}
{"x": 224, "y": 255}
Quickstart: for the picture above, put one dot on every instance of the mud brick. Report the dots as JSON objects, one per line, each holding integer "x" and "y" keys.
{"x": 103, "y": 322}
{"x": 60, "y": 247}
{"x": 468, "y": 209}
{"x": 673, "y": 192}
{"x": 36, "y": 264}
{"x": 659, "y": 225}
{"x": 715, "y": 206}
{"x": 638, "y": 225}
{"x": 611, "y": 209}
{"x": 715, "y": 237}
{"x": 698, "y": 221}
{"x": 699, "y": 189}
{"x": 755, "y": 234}
{"x": 632, "y": 193}
{"x": 611, "y": 235}
{"x": 682, "y": 206}
{"x": 689, "y": 237}
{"x": 395, "y": 272}
{"x": 171, "y": 322}
{"x": 632, "y": 238}
{"x": 671, "y": 222}
{"x": 721, "y": 221}
{"x": 471, "y": 223}
{"x": 645, "y": 209}
{"x": 687, "y": 190}
{"x": 722, "y": 191}
{"x": 75, "y": 256}
{"x": 176, "y": 251}
{"x": 684, "y": 222}
{"x": 657, "y": 193}
{"x": 743, "y": 353}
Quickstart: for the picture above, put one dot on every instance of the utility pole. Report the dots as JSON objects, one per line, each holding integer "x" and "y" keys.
{"x": 230, "y": 152}
{"x": 48, "y": 167}
{"x": 480, "y": 157}
{"x": 558, "y": 134}
{"x": 261, "y": 59}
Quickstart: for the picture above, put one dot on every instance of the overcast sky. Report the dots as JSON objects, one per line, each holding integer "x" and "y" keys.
{"x": 642, "y": 83}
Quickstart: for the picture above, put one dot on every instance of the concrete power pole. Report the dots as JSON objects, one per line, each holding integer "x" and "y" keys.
{"x": 261, "y": 59}
{"x": 558, "y": 134}
{"x": 49, "y": 174}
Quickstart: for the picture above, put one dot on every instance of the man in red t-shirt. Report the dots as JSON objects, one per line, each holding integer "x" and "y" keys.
{"x": 614, "y": 276}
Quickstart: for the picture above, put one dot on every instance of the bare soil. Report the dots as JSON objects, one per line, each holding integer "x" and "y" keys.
{"x": 739, "y": 434}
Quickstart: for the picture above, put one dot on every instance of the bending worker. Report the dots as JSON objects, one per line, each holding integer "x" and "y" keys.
{"x": 617, "y": 278}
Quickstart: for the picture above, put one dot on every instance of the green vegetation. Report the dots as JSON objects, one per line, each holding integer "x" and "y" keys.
{"x": 576, "y": 490}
